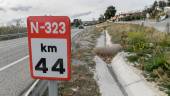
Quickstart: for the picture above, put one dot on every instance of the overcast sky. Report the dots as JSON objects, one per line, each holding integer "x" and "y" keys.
{"x": 84, "y": 9}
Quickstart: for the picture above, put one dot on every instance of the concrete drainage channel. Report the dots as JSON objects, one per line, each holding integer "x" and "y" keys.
{"x": 116, "y": 79}
{"x": 127, "y": 81}
{"x": 105, "y": 50}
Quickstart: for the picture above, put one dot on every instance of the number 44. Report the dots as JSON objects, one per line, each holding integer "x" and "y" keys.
{"x": 58, "y": 66}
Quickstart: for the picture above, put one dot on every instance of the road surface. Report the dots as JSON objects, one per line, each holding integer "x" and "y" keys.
{"x": 14, "y": 67}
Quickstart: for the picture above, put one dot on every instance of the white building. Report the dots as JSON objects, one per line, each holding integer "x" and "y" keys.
{"x": 167, "y": 10}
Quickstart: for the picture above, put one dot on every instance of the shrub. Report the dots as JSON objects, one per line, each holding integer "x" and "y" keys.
{"x": 137, "y": 40}
{"x": 133, "y": 58}
{"x": 136, "y": 36}
{"x": 155, "y": 62}
{"x": 129, "y": 49}
{"x": 165, "y": 42}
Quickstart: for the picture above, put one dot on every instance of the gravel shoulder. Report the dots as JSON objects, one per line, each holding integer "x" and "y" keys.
{"x": 82, "y": 82}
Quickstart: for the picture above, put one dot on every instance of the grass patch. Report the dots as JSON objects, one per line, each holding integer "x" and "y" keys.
{"x": 133, "y": 58}
{"x": 154, "y": 63}
{"x": 151, "y": 49}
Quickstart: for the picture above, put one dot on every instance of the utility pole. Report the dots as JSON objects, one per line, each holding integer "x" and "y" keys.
{"x": 18, "y": 26}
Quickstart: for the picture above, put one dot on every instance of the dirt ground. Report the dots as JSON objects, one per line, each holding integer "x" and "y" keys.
{"x": 82, "y": 81}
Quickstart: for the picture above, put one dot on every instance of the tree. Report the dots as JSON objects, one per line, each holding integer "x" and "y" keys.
{"x": 155, "y": 4}
{"x": 110, "y": 12}
{"x": 152, "y": 10}
{"x": 147, "y": 10}
{"x": 162, "y": 4}
{"x": 168, "y": 3}
{"x": 101, "y": 18}
{"x": 77, "y": 22}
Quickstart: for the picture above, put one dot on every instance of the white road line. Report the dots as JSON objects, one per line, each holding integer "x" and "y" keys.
{"x": 31, "y": 88}
{"x": 13, "y": 63}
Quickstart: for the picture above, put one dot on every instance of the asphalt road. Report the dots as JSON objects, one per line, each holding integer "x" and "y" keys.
{"x": 15, "y": 78}
{"x": 14, "y": 67}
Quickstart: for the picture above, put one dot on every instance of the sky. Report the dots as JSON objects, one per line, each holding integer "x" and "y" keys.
{"x": 10, "y": 10}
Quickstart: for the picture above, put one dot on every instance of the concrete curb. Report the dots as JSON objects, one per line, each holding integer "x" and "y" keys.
{"x": 133, "y": 84}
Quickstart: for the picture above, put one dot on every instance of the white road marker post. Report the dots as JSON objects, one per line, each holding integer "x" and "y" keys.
{"x": 104, "y": 30}
{"x": 105, "y": 39}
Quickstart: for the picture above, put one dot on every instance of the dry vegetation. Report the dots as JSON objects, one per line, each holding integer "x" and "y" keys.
{"x": 11, "y": 32}
{"x": 82, "y": 81}
{"x": 148, "y": 49}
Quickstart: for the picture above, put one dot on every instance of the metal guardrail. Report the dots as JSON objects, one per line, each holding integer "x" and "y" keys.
{"x": 38, "y": 88}
{"x": 12, "y": 36}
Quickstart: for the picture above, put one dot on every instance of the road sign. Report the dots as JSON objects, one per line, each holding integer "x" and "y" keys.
{"x": 49, "y": 44}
